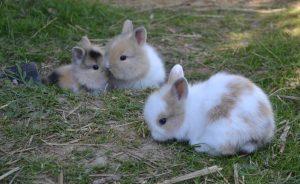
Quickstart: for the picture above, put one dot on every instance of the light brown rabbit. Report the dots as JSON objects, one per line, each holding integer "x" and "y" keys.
{"x": 131, "y": 62}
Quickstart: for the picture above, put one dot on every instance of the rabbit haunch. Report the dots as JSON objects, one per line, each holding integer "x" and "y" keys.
{"x": 224, "y": 115}
{"x": 131, "y": 62}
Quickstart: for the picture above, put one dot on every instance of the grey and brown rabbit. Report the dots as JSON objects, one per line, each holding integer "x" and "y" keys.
{"x": 84, "y": 72}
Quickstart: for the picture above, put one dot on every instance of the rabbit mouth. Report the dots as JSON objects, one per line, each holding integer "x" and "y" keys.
{"x": 109, "y": 74}
{"x": 159, "y": 137}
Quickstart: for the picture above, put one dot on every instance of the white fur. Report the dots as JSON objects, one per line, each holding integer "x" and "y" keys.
{"x": 92, "y": 79}
{"x": 175, "y": 73}
{"x": 156, "y": 74}
{"x": 212, "y": 137}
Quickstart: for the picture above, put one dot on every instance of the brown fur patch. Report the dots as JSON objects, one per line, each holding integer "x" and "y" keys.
{"x": 264, "y": 110}
{"x": 222, "y": 110}
{"x": 66, "y": 80}
{"x": 248, "y": 120}
{"x": 135, "y": 66}
{"x": 174, "y": 113}
{"x": 229, "y": 100}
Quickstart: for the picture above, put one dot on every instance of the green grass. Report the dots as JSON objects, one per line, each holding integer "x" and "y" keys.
{"x": 45, "y": 31}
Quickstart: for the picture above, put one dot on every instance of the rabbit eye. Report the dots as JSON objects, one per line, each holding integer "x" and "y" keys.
{"x": 123, "y": 57}
{"x": 162, "y": 121}
{"x": 95, "y": 67}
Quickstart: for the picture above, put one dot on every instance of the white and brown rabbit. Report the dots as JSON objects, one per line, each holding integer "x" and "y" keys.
{"x": 84, "y": 72}
{"x": 225, "y": 115}
{"x": 131, "y": 62}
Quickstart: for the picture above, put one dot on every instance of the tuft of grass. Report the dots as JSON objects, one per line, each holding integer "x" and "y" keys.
{"x": 263, "y": 47}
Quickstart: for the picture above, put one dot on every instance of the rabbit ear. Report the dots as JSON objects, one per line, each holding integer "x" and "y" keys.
{"x": 179, "y": 89}
{"x": 175, "y": 73}
{"x": 127, "y": 26}
{"x": 140, "y": 35}
{"x": 77, "y": 55}
{"x": 85, "y": 42}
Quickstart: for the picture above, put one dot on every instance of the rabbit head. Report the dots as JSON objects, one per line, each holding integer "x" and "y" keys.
{"x": 164, "y": 110}
{"x": 125, "y": 58}
{"x": 87, "y": 56}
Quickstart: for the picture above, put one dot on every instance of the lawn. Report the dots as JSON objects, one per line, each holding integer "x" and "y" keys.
{"x": 51, "y": 135}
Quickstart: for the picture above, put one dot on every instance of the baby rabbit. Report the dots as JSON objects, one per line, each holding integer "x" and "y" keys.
{"x": 224, "y": 115}
{"x": 84, "y": 72}
{"x": 131, "y": 62}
